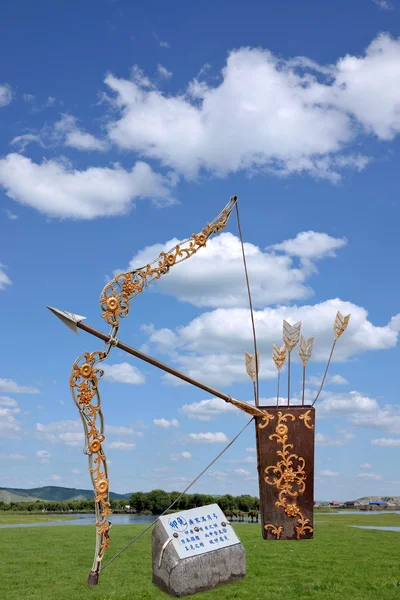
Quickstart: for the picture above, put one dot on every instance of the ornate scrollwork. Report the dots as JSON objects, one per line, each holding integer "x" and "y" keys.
{"x": 288, "y": 475}
{"x": 276, "y": 531}
{"x": 265, "y": 420}
{"x": 306, "y": 418}
{"x": 118, "y": 293}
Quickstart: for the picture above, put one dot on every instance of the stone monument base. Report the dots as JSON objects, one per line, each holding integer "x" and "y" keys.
{"x": 185, "y": 576}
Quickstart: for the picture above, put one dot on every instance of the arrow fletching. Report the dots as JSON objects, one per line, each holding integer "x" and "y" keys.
{"x": 279, "y": 356}
{"x": 251, "y": 367}
{"x": 305, "y": 349}
{"x": 340, "y": 324}
{"x": 291, "y": 334}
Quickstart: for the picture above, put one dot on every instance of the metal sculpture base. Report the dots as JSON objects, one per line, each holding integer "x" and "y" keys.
{"x": 93, "y": 578}
{"x": 285, "y": 454}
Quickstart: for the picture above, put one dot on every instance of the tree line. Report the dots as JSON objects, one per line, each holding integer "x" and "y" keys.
{"x": 154, "y": 502}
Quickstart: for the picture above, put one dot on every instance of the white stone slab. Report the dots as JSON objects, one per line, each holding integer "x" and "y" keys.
{"x": 199, "y": 530}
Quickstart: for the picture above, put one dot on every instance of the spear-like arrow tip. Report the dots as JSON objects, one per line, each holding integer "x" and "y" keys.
{"x": 69, "y": 319}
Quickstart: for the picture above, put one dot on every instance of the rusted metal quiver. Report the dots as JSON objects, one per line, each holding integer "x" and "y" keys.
{"x": 285, "y": 455}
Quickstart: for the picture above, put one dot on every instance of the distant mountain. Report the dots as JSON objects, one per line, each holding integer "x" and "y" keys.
{"x": 368, "y": 499}
{"x": 50, "y": 493}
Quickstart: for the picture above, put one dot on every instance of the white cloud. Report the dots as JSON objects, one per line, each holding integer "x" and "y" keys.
{"x": 165, "y": 424}
{"x": 328, "y": 473}
{"x": 250, "y": 450}
{"x": 70, "y": 432}
{"x": 211, "y": 277}
{"x": 9, "y": 386}
{"x": 123, "y": 373}
{"x": 211, "y": 346}
{"x": 28, "y": 97}
{"x": 327, "y": 440}
{"x": 360, "y": 410}
{"x": 206, "y": 410}
{"x": 309, "y": 245}
{"x": 266, "y": 113}
{"x": 240, "y": 461}
{"x": 184, "y": 454}
{"x": 337, "y": 380}
{"x": 121, "y": 430}
{"x": 12, "y": 457}
{"x": 163, "y": 72}
{"x": 66, "y": 432}
{"x": 56, "y": 478}
{"x": 6, "y": 401}
{"x": 315, "y": 381}
{"x": 21, "y": 142}
{"x": 5, "y": 94}
{"x": 10, "y": 215}
{"x": 76, "y": 471}
{"x": 365, "y": 466}
{"x": 370, "y": 476}
{"x": 9, "y": 426}
{"x": 383, "y": 4}
{"x": 386, "y": 442}
{"x": 161, "y": 43}
{"x": 68, "y": 131}
{"x": 242, "y": 472}
{"x": 44, "y": 456}
{"x": 57, "y": 189}
{"x": 217, "y": 474}
{"x": 208, "y": 438}
{"x": 125, "y": 446}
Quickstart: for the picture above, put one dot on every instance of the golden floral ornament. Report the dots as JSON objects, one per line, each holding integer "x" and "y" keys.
{"x": 292, "y": 510}
{"x": 102, "y": 486}
{"x": 170, "y": 260}
{"x": 86, "y": 393}
{"x": 95, "y": 446}
{"x": 200, "y": 239}
{"x": 289, "y": 474}
{"x": 281, "y": 429}
{"x": 87, "y": 371}
{"x": 112, "y": 303}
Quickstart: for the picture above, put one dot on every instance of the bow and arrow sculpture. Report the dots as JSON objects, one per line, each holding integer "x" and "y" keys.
{"x": 287, "y": 480}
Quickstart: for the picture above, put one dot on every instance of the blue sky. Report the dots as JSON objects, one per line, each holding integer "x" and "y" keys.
{"x": 124, "y": 127}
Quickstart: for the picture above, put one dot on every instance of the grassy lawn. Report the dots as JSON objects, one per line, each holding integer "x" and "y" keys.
{"x": 341, "y": 563}
{"x": 10, "y": 518}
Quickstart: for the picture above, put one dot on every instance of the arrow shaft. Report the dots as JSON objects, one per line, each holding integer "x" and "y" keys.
{"x": 153, "y": 361}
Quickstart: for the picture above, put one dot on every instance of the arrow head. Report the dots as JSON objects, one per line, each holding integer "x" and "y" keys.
{"x": 69, "y": 319}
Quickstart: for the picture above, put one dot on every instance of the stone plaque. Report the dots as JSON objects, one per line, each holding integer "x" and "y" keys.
{"x": 195, "y": 550}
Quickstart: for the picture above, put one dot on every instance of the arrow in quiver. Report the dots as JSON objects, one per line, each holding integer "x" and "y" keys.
{"x": 279, "y": 355}
{"x": 251, "y": 366}
{"x": 291, "y": 334}
{"x": 305, "y": 349}
{"x": 340, "y": 324}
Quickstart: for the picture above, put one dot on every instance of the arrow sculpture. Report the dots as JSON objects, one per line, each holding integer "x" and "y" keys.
{"x": 285, "y": 475}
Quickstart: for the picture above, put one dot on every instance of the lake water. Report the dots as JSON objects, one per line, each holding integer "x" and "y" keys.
{"x": 376, "y": 527}
{"x": 361, "y": 512}
{"x": 91, "y": 520}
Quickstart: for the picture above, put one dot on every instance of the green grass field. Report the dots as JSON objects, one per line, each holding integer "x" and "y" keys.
{"x": 40, "y": 563}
